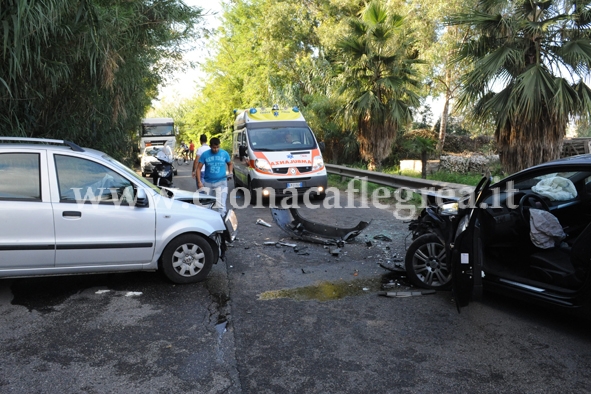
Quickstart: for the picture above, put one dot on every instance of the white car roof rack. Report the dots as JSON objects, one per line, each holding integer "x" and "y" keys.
{"x": 72, "y": 145}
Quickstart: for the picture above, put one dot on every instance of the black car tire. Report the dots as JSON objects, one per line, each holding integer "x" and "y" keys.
{"x": 187, "y": 259}
{"x": 425, "y": 263}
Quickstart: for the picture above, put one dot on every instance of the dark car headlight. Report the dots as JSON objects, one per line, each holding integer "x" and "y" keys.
{"x": 450, "y": 208}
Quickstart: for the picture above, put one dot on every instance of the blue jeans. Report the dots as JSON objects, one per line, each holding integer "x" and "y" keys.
{"x": 218, "y": 189}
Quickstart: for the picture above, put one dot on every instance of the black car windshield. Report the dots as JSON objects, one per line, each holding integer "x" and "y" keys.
{"x": 556, "y": 185}
{"x": 281, "y": 138}
{"x": 528, "y": 183}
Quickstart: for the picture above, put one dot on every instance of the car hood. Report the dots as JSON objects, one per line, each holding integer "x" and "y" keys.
{"x": 197, "y": 198}
{"x": 176, "y": 216}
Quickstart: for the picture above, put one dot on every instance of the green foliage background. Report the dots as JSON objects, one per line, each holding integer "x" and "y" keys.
{"x": 87, "y": 70}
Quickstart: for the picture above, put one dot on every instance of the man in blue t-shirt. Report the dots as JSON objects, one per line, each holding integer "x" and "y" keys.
{"x": 215, "y": 178}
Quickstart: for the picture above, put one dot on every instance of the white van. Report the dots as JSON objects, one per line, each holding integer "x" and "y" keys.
{"x": 275, "y": 149}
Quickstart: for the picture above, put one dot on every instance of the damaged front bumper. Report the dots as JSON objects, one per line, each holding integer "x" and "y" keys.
{"x": 228, "y": 235}
{"x": 290, "y": 221}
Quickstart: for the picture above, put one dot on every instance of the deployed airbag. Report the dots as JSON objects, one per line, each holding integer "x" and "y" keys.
{"x": 556, "y": 188}
{"x": 545, "y": 229}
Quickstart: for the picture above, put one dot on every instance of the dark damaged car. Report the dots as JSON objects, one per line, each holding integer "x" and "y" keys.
{"x": 527, "y": 236}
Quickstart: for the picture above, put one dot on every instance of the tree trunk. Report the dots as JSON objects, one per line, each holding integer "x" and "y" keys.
{"x": 424, "y": 164}
{"x": 444, "y": 115}
{"x": 375, "y": 141}
{"x": 523, "y": 145}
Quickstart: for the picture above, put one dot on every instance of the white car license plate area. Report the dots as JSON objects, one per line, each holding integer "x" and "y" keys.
{"x": 294, "y": 184}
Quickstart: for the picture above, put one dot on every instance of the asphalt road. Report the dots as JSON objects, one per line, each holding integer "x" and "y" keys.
{"x": 273, "y": 320}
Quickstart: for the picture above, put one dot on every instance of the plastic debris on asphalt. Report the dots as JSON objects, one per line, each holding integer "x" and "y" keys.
{"x": 301, "y": 250}
{"x": 263, "y": 223}
{"x": 400, "y": 294}
{"x": 290, "y": 221}
{"x": 133, "y": 293}
{"x": 335, "y": 251}
{"x": 382, "y": 237}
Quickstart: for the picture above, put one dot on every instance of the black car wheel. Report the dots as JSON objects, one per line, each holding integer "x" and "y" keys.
{"x": 425, "y": 263}
{"x": 187, "y": 259}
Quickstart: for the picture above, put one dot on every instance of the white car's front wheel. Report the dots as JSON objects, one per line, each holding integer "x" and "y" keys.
{"x": 187, "y": 259}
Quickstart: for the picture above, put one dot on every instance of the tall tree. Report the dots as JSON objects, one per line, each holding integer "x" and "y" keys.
{"x": 87, "y": 70}
{"x": 530, "y": 63}
{"x": 378, "y": 79}
{"x": 437, "y": 43}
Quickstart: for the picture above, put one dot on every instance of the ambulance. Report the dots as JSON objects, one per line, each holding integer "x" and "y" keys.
{"x": 273, "y": 150}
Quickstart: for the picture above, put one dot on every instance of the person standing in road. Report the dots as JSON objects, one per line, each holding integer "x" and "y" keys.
{"x": 215, "y": 179}
{"x": 202, "y": 148}
{"x": 191, "y": 150}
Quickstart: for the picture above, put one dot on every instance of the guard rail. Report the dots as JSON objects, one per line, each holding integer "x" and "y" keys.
{"x": 434, "y": 191}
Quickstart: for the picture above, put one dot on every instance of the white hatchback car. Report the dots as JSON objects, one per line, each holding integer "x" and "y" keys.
{"x": 69, "y": 210}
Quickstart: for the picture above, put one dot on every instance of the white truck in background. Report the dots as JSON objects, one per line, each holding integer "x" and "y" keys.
{"x": 157, "y": 132}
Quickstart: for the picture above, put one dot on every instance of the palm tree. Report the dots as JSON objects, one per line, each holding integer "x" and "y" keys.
{"x": 530, "y": 63}
{"x": 378, "y": 80}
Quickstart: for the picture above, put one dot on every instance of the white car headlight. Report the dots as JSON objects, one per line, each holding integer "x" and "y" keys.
{"x": 449, "y": 208}
{"x": 263, "y": 165}
{"x": 317, "y": 163}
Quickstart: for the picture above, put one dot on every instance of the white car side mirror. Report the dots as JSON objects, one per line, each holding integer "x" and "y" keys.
{"x": 141, "y": 199}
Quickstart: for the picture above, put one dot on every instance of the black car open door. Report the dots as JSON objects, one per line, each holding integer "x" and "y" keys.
{"x": 466, "y": 251}
{"x": 465, "y": 262}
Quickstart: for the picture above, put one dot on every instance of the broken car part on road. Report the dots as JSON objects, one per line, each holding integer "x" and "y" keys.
{"x": 263, "y": 223}
{"x": 290, "y": 221}
{"x": 401, "y": 294}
